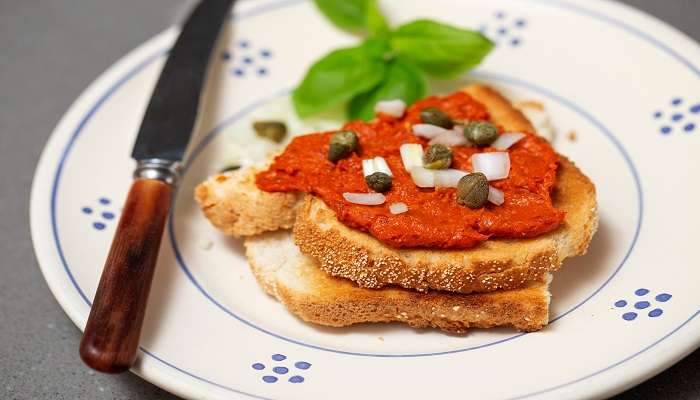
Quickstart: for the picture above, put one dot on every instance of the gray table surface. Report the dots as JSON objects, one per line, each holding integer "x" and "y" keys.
{"x": 49, "y": 52}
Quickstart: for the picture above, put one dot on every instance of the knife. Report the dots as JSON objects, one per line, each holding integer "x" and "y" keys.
{"x": 111, "y": 337}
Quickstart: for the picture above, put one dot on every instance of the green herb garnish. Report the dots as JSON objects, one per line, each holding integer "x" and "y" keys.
{"x": 388, "y": 64}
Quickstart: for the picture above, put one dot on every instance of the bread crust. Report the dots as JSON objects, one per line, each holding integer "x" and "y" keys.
{"x": 494, "y": 264}
{"x": 314, "y": 296}
{"x": 234, "y": 204}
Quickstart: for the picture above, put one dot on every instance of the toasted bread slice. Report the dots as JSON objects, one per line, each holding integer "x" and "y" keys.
{"x": 494, "y": 264}
{"x": 314, "y": 296}
{"x": 233, "y": 203}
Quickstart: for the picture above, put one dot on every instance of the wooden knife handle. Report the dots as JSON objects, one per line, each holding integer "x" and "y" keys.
{"x": 111, "y": 337}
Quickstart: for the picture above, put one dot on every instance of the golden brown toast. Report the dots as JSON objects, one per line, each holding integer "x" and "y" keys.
{"x": 234, "y": 204}
{"x": 494, "y": 264}
{"x": 314, "y": 296}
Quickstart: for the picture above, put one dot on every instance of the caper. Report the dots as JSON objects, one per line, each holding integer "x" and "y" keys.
{"x": 341, "y": 145}
{"x": 379, "y": 181}
{"x": 481, "y": 133}
{"x": 230, "y": 168}
{"x": 473, "y": 190}
{"x": 272, "y": 130}
{"x": 434, "y": 116}
{"x": 437, "y": 156}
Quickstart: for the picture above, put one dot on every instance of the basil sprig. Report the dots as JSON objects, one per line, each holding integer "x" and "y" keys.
{"x": 388, "y": 64}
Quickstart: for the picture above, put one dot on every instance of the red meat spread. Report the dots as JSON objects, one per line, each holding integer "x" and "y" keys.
{"x": 434, "y": 218}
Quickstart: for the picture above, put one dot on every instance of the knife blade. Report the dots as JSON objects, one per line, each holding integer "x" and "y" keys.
{"x": 111, "y": 336}
{"x": 172, "y": 111}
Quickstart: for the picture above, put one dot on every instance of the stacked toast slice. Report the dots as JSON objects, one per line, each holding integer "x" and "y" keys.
{"x": 327, "y": 273}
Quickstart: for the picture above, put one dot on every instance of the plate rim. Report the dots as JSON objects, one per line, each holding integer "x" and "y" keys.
{"x": 105, "y": 79}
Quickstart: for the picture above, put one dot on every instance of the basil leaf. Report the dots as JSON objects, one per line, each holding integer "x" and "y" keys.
{"x": 375, "y": 20}
{"x": 402, "y": 81}
{"x": 336, "y": 78}
{"x": 346, "y": 14}
{"x": 440, "y": 49}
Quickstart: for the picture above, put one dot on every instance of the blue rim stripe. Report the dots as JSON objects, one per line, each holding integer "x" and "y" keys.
{"x": 574, "y": 8}
{"x": 175, "y": 367}
{"x": 624, "y": 360}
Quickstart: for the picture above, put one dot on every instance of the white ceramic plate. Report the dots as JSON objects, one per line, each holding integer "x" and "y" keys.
{"x": 625, "y": 83}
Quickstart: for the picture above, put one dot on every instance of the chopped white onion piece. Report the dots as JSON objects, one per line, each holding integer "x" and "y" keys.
{"x": 448, "y": 177}
{"x": 392, "y": 108}
{"x": 411, "y": 155}
{"x": 376, "y": 164}
{"x": 380, "y": 165}
{"x": 494, "y": 165}
{"x": 450, "y": 138}
{"x": 507, "y": 139}
{"x": 496, "y": 196}
{"x": 398, "y": 208}
{"x": 423, "y": 177}
{"x": 368, "y": 167}
{"x": 428, "y": 131}
{"x": 367, "y": 199}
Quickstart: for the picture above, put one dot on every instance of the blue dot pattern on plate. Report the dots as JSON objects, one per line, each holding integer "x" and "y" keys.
{"x": 663, "y": 297}
{"x": 642, "y": 304}
{"x": 103, "y": 213}
{"x": 629, "y": 316}
{"x": 282, "y": 369}
{"x": 302, "y": 365}
{"x": 678, "y": 116}
{"x": 504, "y": 29}
{"x": 655, "y": 312}
{"x": 247, "y": 57}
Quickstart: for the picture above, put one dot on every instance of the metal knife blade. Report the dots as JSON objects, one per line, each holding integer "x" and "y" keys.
{"x": 171, "y": 114}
